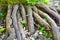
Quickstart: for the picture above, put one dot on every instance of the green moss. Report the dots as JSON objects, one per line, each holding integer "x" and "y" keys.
{"x": 12, "y": 1}
{"x": 45, "y": 1}
{"x": 31, "y": 2}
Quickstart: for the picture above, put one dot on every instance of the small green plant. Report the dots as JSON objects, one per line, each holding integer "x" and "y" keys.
{"x": 59, "y": 30}
{"x": 45, "y": 19}
{"x": 44, "y": 32}
{"x": 1, "y": 15}
{"x": 2, "y": 30}
{"x": 3, "y": 10}
{"x": 42, "y": 29}
{"x": 32, "y": 2}
{"x": 50, "y": 35}
{"x": 23, "y": 22}
{"x": 15, "y": 39}
{"x": 32, "y": 38}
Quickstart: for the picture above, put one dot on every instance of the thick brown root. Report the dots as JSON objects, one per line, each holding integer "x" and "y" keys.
{"x": 30, "y": 20}
{"x": 14, "y": 18}
{"x": 20, "y": 26}
{"x": 8, "y": 20}
{"x": 12, "y": 35}
{"x": 55, "y": 29}
{"x": 54, "y": 9}
{"x": 41, "y": 21}
{"x": 22, "y": 9}
{"x": 35, "y": 9}
{"x": 47, "y": 9}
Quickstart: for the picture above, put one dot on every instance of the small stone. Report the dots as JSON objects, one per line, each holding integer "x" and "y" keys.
{"x": 40, "y": 32}
{"x": 28, "y": 33}
{"x": 0, "y": 38}
{"x": 1, "y": 26}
